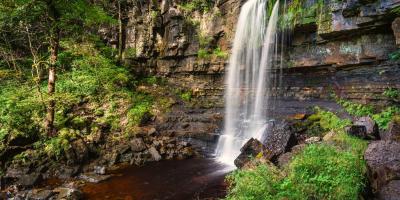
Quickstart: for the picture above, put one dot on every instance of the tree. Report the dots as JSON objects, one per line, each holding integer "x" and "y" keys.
{"x": 52, "y": 20}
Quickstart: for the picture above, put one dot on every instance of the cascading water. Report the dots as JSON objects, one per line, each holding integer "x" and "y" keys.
{"x": 248, "y": 79}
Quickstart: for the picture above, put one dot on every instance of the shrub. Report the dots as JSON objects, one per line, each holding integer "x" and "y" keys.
{"x": 383, "y": 118}
{"x": 322, "y": 121}
{"x": 319, "y": 172}
{"x": 186, "y": 96}
{"x": 324, "y": 172}
{"x": 142, "y": 104}
{"x": 392, "y": 93}
{"x": 203, "y": 54}
{"x": 356, "y": 109}
{"x": 261, "y": 183}
{"x": 219, "y": 53}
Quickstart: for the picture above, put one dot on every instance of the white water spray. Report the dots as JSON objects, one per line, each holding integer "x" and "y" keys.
{"x": 248, "y": 79}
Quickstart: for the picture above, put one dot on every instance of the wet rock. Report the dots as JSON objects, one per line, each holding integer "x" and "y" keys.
{"x": 391, "y": 191}
{"x": 312, "y": 140}
{"x": 393, "y": 132}
{"x": 358, "y": 131}
{"x": 66, "y": 172}
{"x": 371, "y": 126}
{"x": 250, "y": 150}
{"x": 29, "y": 180}
{"x": 101, "y": 170}
{"x": 154, "y": 154}
{"x": 40, "y": 194}
{"x": 280, "y": 139}
{"x": 137, "y": 145}
{"x": 94, "y": 178}
{"x": 68, "y": 193}
{"x": 396, "y": 30}
{"x": 383, "y": 161}
{"x": 15, "y": 171}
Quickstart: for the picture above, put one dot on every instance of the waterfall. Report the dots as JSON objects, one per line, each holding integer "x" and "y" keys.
{"x": 248, "y": 79}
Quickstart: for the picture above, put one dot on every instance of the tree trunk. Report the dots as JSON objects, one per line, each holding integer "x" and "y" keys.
{"x": 119, "y": 32}
{"x": 51, "y": 87}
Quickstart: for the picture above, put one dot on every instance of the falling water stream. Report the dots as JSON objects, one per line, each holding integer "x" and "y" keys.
{"x": 248, "y": 79}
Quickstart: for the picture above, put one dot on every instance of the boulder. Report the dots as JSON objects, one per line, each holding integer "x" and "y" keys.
{"x": 101, "y": 170}
{"x": 40, "y": 194}
{"x": 280, "y": 138}
{"x": 29, "y": 180}
{"x": 68, "y": 193}
{"x": 383, "y": 162}
{"x": 391, "y": 191}
{"x": 94, "y": 178}
{"x": 371, "y": 126}
{"x": 250, "y": 150}
{"x": 357, "y": 131}
{"x": 393, "y": 132}
{"x": 155, "y": 154}
{"x": 137, "y": 145}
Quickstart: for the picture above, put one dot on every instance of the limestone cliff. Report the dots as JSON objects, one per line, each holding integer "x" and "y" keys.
{"x": 343, "y": 48}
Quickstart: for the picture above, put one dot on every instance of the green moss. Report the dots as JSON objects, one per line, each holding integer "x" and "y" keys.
{"x": 197, "y": 5}
{"x": 298, "y": 12}
{"x": 142, "y": 104}
{"x": 203, "y": 54}
{"x": 186, "y": 96}
{"x": 322, "y": 121}
{"x": 219, "y": 53}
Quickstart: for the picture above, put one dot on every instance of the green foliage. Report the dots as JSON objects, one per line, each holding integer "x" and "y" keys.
{"x": 142, "y": 104}
{"x": 219, "y": 53}
{"x": 322, "y": 121}
{"x": 20, "y": 110}
{"x": 319, "y": 172}
{"x": 186, "y": 96}
{"x": 56, "y": 146}
{"x": 199, "y": 5}
{"x": 392, "y": 93}
{"x": 298, "y": 12}
{"x": 383, "y": 118}
{"x": 261, "y": 183}
{"x": 395, "y": 55}
{"x": 203, "y": 54}
{"x": 356, "y": 109}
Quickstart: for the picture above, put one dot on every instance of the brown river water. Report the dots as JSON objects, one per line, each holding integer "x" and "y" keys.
{"x": 175, "y": 180}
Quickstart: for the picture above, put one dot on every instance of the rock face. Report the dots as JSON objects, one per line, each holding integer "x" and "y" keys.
{"x": 250, "y": 150}
{"x": 371, "y": 126}
{"x": 383, "y": 161}
{"x": 280, "y": 138}
{"x": 393, "y": 132}
{"x": 358, "y": 131}
{"x": 391, "y": 191}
